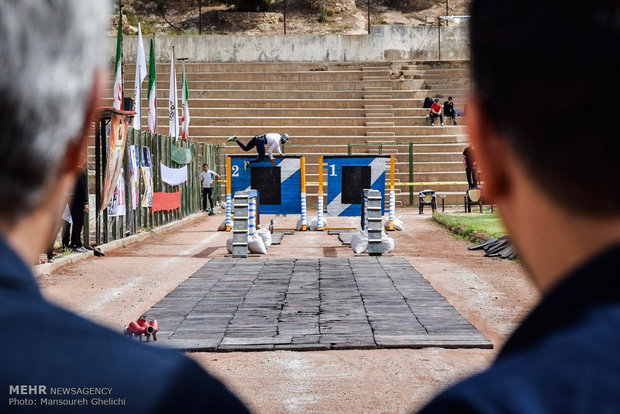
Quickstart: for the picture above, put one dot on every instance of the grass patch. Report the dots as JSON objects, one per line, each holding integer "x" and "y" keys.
{"x": 324, "y": 15}
{"x": 472, "y": 227}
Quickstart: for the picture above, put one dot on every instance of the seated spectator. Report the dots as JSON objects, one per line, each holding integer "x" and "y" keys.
{"x": 51, "y": 79}
{"x": 436, "y": 113}
{"x": 448, "y": 110}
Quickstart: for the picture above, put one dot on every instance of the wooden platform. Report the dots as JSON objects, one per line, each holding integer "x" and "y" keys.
{"x": 310, "y": 304}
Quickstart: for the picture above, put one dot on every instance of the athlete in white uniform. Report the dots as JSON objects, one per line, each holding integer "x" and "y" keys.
{"x": 271, "y": 139}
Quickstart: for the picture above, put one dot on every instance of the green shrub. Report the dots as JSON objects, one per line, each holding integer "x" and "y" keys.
{"x": 131, "y": 18}
{"x": 324, "y": 15}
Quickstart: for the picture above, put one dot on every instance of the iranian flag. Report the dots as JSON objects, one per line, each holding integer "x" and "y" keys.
{"x": 184, "y": 107}
{"x": 152, "y": 91}
{"x": 118, "y": 79}
{"x": 173, "y": 116}
{"x": 140, "y": 75}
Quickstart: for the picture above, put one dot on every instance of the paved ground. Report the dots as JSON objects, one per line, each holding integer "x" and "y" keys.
{"x": 310, "y": 304}
{"x": 492, "y": 294}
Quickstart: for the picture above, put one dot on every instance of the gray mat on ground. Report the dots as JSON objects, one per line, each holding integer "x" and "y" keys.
{"x": 276, "y": 236}
{"x": 310, "y": 304}
{"x": 336, "y": 231}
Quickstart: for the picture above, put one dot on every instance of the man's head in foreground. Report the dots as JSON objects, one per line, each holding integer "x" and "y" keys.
{"x": 553, "y": 171}
{"x": 51, "y": 54}
{"x": 551, "y": 166}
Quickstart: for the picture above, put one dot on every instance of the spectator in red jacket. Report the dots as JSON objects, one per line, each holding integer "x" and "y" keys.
{"x": 436, "y": 112}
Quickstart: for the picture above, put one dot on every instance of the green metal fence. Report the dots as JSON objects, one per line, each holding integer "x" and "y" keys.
{"x": 107, "y": 228}
{"x": 401, "y": 150}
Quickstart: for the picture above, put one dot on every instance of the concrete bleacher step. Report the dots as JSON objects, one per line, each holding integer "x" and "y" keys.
{"x": 377, "y": 89}
{"x": 285, "y": 85}
{"x": 379, "y": 124}
{"x": 377, "y": 97}
{"x": 438, "y": 156}
{"x": 283, "y": 121}
{"x": 373, "y": 77}
{"x": 380, "y": 115}
{"x": 275, "y": 112}
{"x": 429, "y": 142}
{"x": 304, "y": 102}
{"x": 328, "y": 109}
{"x": 380, "y": 133}
{"x": 373, "y": 107}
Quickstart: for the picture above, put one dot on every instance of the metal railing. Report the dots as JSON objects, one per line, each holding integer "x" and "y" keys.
{"x": 407, "y": 149}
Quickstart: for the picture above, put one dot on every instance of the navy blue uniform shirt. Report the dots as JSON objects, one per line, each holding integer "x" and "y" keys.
{"x": 564, "y": 358}
{"x": 49, "y": 350}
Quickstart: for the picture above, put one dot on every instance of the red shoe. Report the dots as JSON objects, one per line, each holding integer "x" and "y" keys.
{"x": 135, "y": 329}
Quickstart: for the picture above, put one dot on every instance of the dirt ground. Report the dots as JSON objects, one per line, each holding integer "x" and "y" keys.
{"x": 493, "y": 294}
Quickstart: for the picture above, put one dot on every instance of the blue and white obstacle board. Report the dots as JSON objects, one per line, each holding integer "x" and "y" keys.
{"x": 279, "y": 187}
{"x": 348, "y": 176}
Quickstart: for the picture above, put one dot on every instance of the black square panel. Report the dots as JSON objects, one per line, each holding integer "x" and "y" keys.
{"x": 355, "y": 178}
{"x": 267, "y": 181}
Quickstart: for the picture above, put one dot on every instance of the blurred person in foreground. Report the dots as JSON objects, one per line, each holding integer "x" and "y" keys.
{"x": 50, "y": 81}
{"x": 565, "y": 355}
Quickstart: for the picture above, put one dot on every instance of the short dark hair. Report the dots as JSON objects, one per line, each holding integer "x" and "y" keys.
{"x": 205, "y": 165}
{"x": 449, "y": 98}
{"x": 436, "y": 99}
{"x": 547, "y": 61}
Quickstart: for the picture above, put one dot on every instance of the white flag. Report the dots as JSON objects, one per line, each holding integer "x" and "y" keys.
{"x": 173, "y": 116}
{"x": 184, "y": 107}
{"x": 173, "y": 176}
{"x": 140, "y": 75}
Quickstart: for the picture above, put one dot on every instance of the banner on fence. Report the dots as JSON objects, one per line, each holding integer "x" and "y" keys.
{"x": 181, "y": 155}
{"x": 147, "y": 178}
{"x": 133, "y": 176}
{"x": 117, "y": 204}
{"x": 115, "y": 153}
{"x": 166, "y": 201}
{"x": 173, "y": 176}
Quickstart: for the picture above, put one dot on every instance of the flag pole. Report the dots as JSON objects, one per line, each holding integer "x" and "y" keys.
{"x": 139, "y": 87}
{"x": 120, "y": 33}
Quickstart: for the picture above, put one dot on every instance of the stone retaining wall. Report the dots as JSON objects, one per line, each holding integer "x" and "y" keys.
{"x": 384, "y": 43}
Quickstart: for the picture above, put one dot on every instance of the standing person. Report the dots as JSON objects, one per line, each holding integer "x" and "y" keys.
{"x": 565, "y": 355}
{"x": 470, "y": 167}
{"x": 206, "y": 183}
{"x": 272, "y": 139}
{"x": 78, "y": 205}
{"x": 448, "y": 110}
{"x": 436, "y": 112}
{"x": 51, "y": 55}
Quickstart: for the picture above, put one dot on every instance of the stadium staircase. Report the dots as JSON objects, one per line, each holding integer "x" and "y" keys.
{"x": 329, "y": 108}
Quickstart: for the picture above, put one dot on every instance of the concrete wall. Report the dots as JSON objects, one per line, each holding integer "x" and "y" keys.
{"x": 385, "y": 43}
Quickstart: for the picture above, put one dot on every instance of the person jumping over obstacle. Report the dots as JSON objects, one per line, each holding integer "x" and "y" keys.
{"x": 272, "y": 139}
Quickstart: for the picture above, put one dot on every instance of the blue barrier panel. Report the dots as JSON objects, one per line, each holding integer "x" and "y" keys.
{"x": 279, "y": 187}
{"x": 348, "y": 176}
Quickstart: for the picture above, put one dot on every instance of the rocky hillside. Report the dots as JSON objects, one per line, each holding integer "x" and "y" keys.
{"x": 302, "y": 16}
